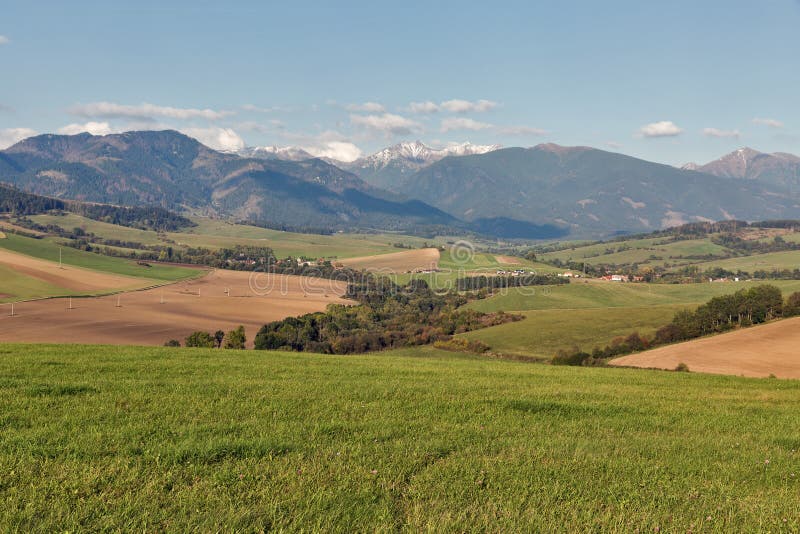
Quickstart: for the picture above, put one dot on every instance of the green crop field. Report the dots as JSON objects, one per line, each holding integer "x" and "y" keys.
{"x": 758, "y": 262}
{"x": 48, "y": 249}
{"x": 135, "y": 439}
{"x": 15, "y": 286}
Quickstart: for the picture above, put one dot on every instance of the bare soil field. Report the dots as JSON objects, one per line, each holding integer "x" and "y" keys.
{"x": 760, "y": 351}
{"x": 507, "y": 260}
{"x": 222, "y": 300}
{"x": 69, "y": 277}
{"x": 397, "y": 262}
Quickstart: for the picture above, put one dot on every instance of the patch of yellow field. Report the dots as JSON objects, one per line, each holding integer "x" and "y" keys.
{"x": 397, "y": 262}
{"x": 759, "y": 351}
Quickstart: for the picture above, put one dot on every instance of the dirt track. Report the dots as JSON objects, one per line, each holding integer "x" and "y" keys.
{"x": 759, "y": 351}
{"x": 69, "y": 277}
{"x": 142, "y": 319}
{"x": 397, "y": 262}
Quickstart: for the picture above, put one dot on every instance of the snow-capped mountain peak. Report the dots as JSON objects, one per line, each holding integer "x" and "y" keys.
{"x": 289, "y": 153}
{"x": 416, "y": 152}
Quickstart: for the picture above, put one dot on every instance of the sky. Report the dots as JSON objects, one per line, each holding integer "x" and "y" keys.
{"x": 671, "y": 82}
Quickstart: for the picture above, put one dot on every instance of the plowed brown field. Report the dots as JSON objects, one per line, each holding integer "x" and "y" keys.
{"x": 221, "y": 300}
{"x": 771, "y": 349}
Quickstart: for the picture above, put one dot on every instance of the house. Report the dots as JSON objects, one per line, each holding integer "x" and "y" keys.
{"x": 618, "y": 278}
{"x": 566, "y": 275}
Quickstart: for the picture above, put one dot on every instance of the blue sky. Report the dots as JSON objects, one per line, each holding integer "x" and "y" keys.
{"x": 666, "y": 81}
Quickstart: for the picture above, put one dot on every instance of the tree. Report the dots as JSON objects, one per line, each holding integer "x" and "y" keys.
{"x": 235, "y": 339}
{"x": 172, "y": 343}
{"x": 792, "y": 306}
{"x": 219, "y": 335}
{"x": 200, "y": 339}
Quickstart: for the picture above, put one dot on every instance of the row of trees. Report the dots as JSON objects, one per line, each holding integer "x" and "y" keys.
{"x": 234, "y": 339}
{"x": 389, "y": 316}
{"x": 720, "y": 314}
{"x": 474, "y": 283}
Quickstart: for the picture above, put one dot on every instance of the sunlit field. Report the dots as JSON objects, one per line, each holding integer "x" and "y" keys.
{"x": 106, "y": 438}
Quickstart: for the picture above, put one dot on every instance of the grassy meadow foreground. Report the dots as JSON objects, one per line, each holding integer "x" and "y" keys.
{"x": 112, "y": 438}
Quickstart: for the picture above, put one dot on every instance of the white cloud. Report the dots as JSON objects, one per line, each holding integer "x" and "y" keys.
{"x": 716, "y": 132}
{"x": 465, "y": 106}
{"x": 521, "y": 131}
{"x": 369, "y": 107}
{"x": 461, "y": 123}
{"x": 258, "y": 109}
{"x": 660, "y": 129}
{"x": 4, "y": 40}
{"x": 423, "y": 107}
{"x": 387, "y": 123}
{"x": 94, "y": 128}
{"x": 772, "y": 123}
{"x": 10, "y": 136}
{"x": 338, "y": 150}
{"x": 216, "y": 138}
{"x": 144, "y": 111}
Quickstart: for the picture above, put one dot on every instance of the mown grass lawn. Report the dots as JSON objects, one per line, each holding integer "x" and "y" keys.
{"x": 109, "y": 438}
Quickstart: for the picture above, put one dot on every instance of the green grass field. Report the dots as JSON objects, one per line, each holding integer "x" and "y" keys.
{"x": 70, "y": 221}
{"x": 543, "y": 332}
{"x": 48, "y": 249}
{"x": 215, "y": 233}
{"x": 591, "y": 314}
{"x": 651, "y": 251}
{"x": 134, "y": 439}
{"x": 612, "y": 295}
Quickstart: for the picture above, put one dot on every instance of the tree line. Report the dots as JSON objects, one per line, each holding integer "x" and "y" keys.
{"x": 389, "y": 316}
{"x": 20, "y": 203}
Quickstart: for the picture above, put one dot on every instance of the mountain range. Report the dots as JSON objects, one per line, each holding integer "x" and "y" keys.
{"x": 590, "y": 190}
{"x": 177, "y": 172}
{"x": 546, "y": 191}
